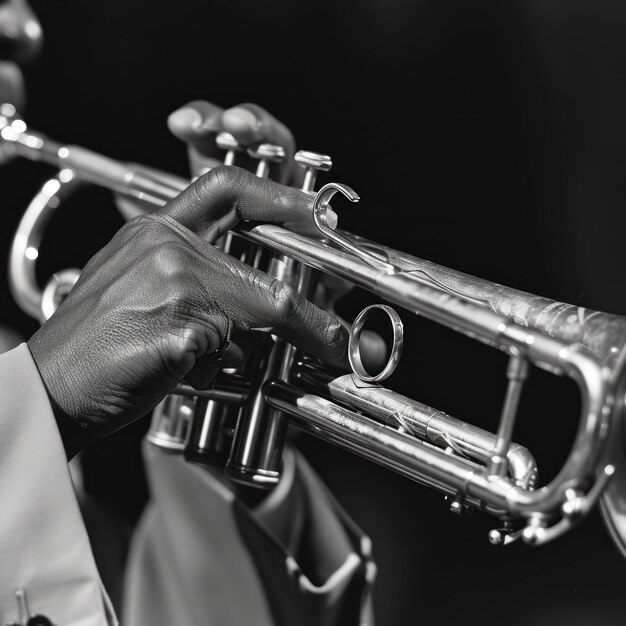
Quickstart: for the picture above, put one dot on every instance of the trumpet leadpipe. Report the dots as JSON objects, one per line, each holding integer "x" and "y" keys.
{"x": 143, "y": 183}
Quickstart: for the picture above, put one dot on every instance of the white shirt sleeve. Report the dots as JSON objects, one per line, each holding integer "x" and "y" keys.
{"x": 44, "y": 548}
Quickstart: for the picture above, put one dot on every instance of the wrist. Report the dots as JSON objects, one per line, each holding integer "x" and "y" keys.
{"x": 74, "y": 434}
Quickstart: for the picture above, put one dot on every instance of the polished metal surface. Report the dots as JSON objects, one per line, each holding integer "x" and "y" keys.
{"x": 312, "y": 162}
{"x": 413, "y": 418}
{"x": 354, "y": 344}
{"x": 227, "y": 142}
{"x": 27, "y": 239}
{"x": 171, "y": 423}
{"x": 256, "y": 453}
{"x": 474, "y": 468}
{"x": 320, "y": 217}
{"x": 266, "y": 153}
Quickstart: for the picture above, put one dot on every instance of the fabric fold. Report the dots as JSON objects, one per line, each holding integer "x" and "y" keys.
{"x": 201, "y": 556}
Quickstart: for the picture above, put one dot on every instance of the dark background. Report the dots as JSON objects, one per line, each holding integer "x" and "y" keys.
{"x": 486, "y": 136}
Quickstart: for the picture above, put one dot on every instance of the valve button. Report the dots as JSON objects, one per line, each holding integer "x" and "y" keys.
{"x": 321, "y": 162}
{"x": 267, "y": 152}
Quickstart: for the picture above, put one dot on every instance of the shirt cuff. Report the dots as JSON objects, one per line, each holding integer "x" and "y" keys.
{"x": 44, "y": 547}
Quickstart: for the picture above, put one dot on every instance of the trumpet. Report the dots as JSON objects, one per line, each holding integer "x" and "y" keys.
{"x": 241, "y": 421}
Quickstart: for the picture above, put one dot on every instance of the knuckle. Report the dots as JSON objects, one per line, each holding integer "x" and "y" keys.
{"x": 190, "y": 340}
{"x": 224, "y": 178}
{"x": 181, "y": 347}
{"x": 169, "y": 260}
{"x": 171, "y": 271}
{"x": 227, "y": 182}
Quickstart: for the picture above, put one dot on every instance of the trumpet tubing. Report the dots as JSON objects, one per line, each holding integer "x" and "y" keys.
{"x": 471, "y": 466}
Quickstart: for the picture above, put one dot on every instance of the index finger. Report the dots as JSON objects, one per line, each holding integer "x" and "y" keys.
{"x": 218, "y": 200}
{"x": 253, "y": 300}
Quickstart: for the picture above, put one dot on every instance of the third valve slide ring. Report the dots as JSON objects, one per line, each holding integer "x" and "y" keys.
{"x": 354, "y": 348}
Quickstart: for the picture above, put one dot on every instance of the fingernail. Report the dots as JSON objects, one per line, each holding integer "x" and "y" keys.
{"x": 184, "y": 119}
{"x": 338, "y": 343}
{"x": 241, "y": 123}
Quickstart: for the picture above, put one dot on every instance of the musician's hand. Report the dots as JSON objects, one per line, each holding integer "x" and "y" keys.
{"x": 329, "y": 292}
{"x": 198, "y": 123}
{"x": 155, "y": 304}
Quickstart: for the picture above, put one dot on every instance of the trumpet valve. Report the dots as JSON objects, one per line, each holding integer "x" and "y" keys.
{"x": 226, "y": 141}
{"x": 266, "y": 153}
{"x": 312, "y": 162}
